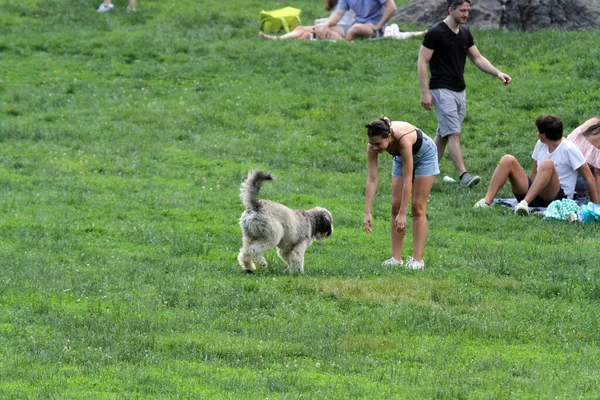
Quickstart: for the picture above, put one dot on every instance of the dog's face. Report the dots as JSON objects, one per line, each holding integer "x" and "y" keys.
{"x": 323, "y": 222}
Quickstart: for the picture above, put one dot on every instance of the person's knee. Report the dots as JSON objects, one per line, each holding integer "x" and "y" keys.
{"x": 396, "y": 207}
{"x": 546, "y": 164}
{"x": 418, "y": 210}
{"x": 358, "y": 31}
{"x": 508, "y": 160}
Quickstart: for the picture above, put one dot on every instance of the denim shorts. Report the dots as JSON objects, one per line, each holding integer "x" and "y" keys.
{"x": 581, "y": 189}
{"x": 425, "y": 162}
{"x": 450, "y": 108}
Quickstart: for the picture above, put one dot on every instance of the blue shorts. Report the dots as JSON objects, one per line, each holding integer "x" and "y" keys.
{"x": 450, "y": 108}
{"x": 425, "y": 162}
{"x": 378, "y": 34}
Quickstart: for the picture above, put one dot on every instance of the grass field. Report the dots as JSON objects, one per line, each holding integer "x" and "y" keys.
{"x": 123, "y": 141}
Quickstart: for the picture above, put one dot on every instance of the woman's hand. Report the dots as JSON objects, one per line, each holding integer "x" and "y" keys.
{"x": 368, "y": 222}
{"x": 400, "y": 223}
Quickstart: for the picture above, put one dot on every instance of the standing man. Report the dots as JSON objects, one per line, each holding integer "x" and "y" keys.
{"x": 369, "y": 22}
{"x": 445, "y": 49}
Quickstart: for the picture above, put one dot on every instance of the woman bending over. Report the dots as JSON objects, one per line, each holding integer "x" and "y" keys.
{"x": 414, "y": 169}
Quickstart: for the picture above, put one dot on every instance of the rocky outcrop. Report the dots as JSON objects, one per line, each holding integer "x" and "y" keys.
{"x": 512, "y": 14}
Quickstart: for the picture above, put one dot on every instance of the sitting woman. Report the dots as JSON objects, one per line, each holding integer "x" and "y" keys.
{"x": 587, "y": 138}
{"x": 308, "y": 32}
{"x": 414, "y": 169}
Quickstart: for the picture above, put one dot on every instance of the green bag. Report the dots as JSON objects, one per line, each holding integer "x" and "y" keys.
{"x": 286, "y": 18}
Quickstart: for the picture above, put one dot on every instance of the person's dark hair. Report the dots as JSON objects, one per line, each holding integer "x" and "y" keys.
{"x": 330, "y": 4}
{"x": 454, "y": 4}
{"x": 593, "y": 129}
{"x": 550, "y": 125}
{"x": 380, "y": 127}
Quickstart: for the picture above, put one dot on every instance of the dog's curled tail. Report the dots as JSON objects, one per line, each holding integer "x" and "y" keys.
{"x": 251, "y": 186}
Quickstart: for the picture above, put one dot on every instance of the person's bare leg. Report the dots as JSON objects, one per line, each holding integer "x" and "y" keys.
{"x": 546, "y": 183}
{"x": 359, "y": 31}
{"x": 397, "y": 237}
{"x": 420, "y": 195}
{"x": 440, "y": 143}
{"x": 301, "y": 32}
{"x": 456, "y": 154}
{"x": 508, "y": 169}
{"x": 264, "y": 35}
{"x": 329, "y": 33}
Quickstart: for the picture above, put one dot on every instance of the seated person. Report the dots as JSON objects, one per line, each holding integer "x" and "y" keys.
{"x": 556, "y": 163}
{"x": 587, "y": 139}
{"x": 308, "y": 32}
{"x": 371, "y": 17}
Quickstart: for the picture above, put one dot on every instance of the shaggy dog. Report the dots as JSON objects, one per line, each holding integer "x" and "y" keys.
{"x": 266, "y": 224}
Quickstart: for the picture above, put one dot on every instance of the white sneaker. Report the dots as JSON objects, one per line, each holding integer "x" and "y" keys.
{"x": 414, "y": 264}
{"x": 481, "y": 204}
{"x": 392, "y": 262}
{"x": 104, "y": 8}
{"x": 522, "y": 208}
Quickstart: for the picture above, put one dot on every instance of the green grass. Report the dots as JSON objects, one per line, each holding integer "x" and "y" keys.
{"x": 123, "y": 141}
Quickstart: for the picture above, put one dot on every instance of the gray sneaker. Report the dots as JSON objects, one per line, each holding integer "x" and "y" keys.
{"x": 468, "y": 180}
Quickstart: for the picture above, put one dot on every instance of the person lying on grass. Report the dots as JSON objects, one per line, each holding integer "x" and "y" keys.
{"x": 556, "y": 163}
{"x": 305, "y": 32}
{"x": 414, "y": 169}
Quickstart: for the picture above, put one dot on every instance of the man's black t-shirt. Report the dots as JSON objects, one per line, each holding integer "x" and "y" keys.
{"x": 447, "y": 64}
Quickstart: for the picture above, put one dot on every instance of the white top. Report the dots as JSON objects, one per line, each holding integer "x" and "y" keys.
{"x": 566, "y": 158}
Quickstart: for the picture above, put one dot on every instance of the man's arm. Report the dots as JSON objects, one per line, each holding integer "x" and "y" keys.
{"x": 533, "y": 171}
{"x": 390, "y": 9}
{"x": 335, "y": 18}
{"x": 483, "y": 64}
{"x": 422, "y": 70}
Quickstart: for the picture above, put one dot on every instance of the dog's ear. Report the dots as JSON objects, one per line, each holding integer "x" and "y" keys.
{"x": 324, "y": 223}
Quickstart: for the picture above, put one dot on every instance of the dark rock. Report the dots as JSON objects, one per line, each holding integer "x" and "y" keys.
{"x": 513, "y": 14}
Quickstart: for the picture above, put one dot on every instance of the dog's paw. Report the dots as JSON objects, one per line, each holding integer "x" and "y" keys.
{"x": 262, "y": 262}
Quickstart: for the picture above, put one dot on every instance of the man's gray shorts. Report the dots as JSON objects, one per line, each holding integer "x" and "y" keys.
{"x": 450, "y": 108}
